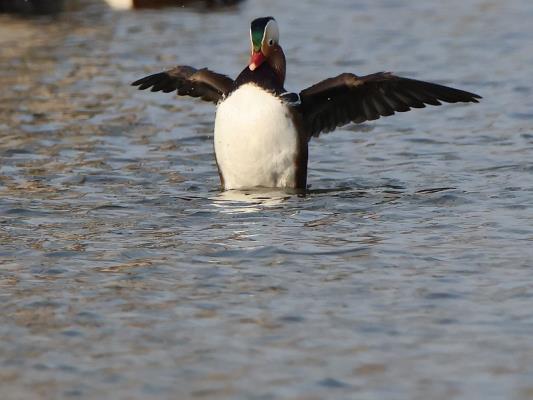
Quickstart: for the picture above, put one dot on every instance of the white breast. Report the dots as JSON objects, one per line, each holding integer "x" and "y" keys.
{"x": 256, "y": 142}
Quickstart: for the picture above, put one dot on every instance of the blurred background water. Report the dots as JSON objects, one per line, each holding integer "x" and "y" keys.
{"x": 126, "y": 274}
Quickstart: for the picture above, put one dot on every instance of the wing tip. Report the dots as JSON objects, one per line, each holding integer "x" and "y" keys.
{"x": 148, "y": 81}
{"x": 467, "y": 98}
{"x": 470, "y": 97}
{"x": 142, "y": 83}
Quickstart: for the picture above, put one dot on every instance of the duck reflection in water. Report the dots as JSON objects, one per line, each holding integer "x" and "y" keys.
{"x": 248, "y": 201}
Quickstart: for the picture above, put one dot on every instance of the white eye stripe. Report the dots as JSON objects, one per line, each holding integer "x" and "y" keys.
{"x": 271, "y": 32}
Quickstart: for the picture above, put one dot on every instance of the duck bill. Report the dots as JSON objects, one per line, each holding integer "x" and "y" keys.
{"x": 256, "y": 60}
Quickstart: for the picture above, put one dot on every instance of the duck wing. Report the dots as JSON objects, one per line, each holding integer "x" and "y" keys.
{"x": 188, "y": 81}
{"x": 348, "y": 98}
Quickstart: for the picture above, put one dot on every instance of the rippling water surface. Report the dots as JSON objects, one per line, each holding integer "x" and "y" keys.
{"x": 406, "y": 273}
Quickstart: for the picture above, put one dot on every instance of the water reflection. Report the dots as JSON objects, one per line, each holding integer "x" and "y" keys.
{"x": 248, "y": 201}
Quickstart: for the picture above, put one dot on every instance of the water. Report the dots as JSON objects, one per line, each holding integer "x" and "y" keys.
{"x": 404, "y": 274}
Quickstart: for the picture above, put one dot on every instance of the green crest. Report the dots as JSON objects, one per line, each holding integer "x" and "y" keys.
{"x": 257, "y": 29}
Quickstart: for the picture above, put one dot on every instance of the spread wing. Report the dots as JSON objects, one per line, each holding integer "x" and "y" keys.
{"x": 189, "y": 81}
{"x": 349, "y": 98}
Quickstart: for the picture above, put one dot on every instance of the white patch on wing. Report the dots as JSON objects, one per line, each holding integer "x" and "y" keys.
{"x": 256, "y": 142}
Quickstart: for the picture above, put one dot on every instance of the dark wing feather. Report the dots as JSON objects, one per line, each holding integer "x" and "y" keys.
{"x": 189, "y": 81}
{"x": 348, "y": 98}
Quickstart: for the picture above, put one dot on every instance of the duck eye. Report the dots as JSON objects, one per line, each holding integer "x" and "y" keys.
{"x": 270, "y": 42}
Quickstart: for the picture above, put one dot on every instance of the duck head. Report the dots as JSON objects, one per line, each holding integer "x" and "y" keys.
{"x": 264, "y": 41}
